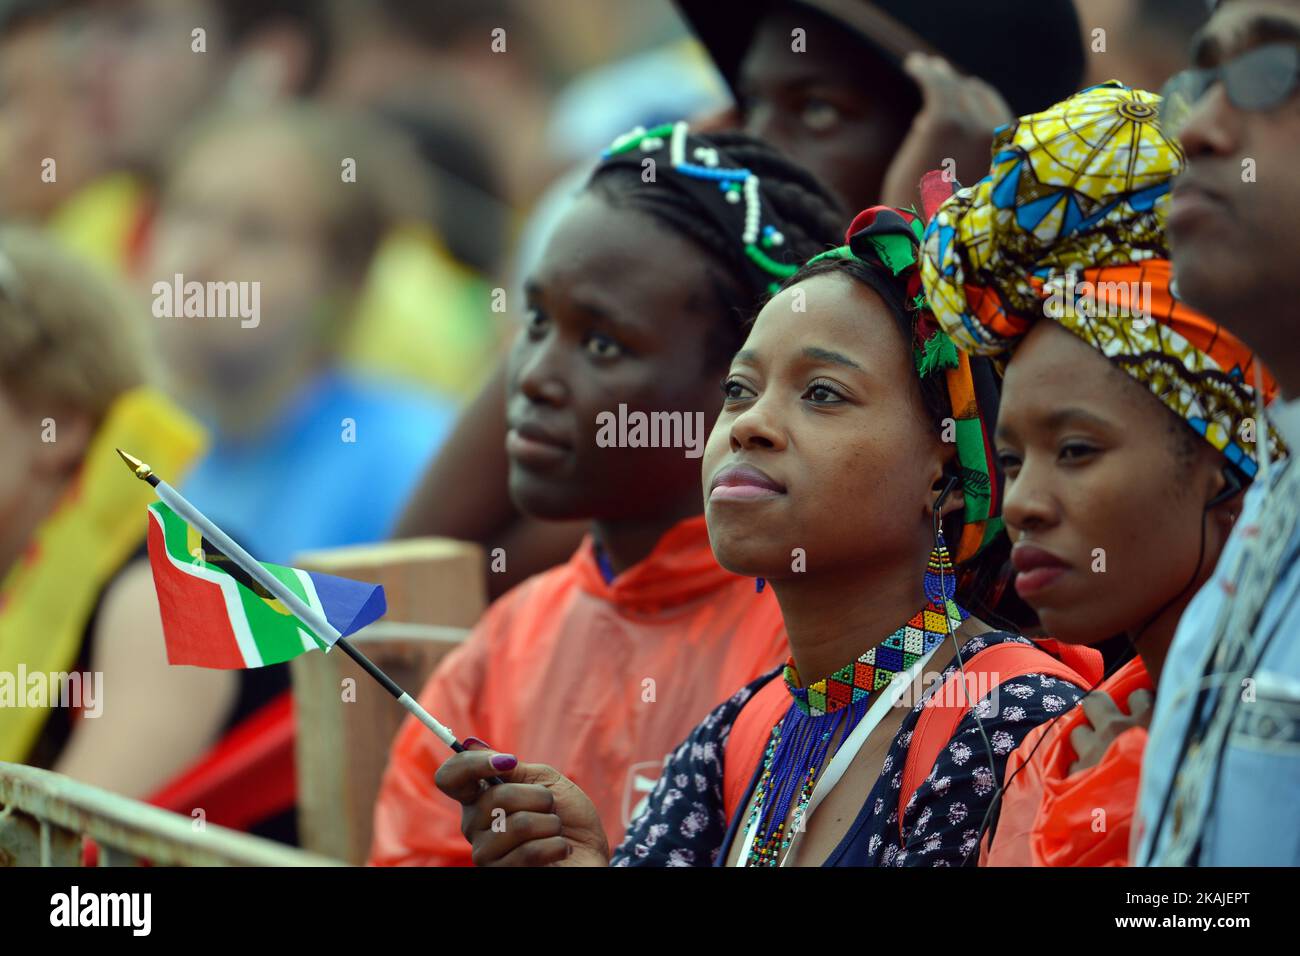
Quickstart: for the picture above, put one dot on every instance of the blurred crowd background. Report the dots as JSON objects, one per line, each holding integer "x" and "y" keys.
{"x": 384, "y": 173}
{"x": 376, "y": 300}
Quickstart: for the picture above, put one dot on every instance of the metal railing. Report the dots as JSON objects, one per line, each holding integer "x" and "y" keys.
{"x": 45, "y": 819}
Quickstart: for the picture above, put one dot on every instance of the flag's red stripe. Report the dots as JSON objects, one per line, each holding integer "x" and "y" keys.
{"x": 196, "y": 621}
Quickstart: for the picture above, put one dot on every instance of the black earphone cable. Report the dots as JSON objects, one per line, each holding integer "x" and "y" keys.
{"x": 947, "y": 624}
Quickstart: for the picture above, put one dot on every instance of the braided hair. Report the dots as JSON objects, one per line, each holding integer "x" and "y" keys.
{"x": 811, "y": 221}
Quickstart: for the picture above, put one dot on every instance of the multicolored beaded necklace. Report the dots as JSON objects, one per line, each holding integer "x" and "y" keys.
{"x": 829, "y": 709}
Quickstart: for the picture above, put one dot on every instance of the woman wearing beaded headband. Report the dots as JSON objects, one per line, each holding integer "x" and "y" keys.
{"x": 635, "y": 307}
{"x": 1126, "y": 433}
{"x": 828, "y": 474}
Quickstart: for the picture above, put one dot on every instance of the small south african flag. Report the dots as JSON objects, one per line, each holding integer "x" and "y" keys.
{"x": 215, "y": 614}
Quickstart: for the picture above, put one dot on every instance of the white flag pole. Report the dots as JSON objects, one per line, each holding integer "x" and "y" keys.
{"x": 231, "y": 549}
{"x": 303, "y": 611}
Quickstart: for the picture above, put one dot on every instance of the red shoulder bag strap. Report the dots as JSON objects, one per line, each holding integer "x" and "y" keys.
{"x": 939, "y": 720}
{"x": 748, "y": 739}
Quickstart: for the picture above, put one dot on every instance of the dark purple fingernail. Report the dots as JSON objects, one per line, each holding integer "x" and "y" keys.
{"x": 470, "y": 742}
{"x": 503, "y": 761}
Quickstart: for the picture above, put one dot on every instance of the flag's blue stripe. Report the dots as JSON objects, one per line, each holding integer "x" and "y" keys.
{"x": 349, "y": 605}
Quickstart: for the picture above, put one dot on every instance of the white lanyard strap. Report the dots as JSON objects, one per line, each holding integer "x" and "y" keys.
{"x": 844, "y": 756}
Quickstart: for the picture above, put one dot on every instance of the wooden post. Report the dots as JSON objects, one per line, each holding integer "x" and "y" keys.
{"x": 346, "y": 722}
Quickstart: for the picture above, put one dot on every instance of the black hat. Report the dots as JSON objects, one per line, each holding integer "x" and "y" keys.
{"x": 1031, "y": 51}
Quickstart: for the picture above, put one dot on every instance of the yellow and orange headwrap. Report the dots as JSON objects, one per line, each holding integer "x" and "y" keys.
{"x": 1070, "y": 224}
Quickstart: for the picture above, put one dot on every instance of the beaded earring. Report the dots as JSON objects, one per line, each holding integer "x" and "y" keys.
{"x": 758, "y": 584}
{"x": 940, "y": 574}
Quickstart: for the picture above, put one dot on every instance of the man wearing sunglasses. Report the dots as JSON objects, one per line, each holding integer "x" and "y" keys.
{"x": 1222, "y": 767}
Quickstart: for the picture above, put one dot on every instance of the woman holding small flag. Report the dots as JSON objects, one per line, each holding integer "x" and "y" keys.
{"x": 638, "y": 301}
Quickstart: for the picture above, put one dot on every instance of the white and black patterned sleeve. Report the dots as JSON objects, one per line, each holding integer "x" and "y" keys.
{"x": 942, "y": 821}
{"x": 684, "y": 823}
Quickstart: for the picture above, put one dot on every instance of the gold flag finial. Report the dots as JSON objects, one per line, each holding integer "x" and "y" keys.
{"x": 138, "y": 468}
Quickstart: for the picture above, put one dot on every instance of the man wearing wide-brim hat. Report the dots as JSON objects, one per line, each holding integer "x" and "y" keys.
{"x": 871, "y": 95}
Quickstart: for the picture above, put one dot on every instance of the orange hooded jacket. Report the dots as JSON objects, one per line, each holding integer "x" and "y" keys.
{"x": 1051, "y": 817}
{"x": 599, "y": 680}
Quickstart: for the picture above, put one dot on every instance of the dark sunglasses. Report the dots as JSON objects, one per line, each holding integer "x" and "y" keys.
{"x": 1258, "y": 80}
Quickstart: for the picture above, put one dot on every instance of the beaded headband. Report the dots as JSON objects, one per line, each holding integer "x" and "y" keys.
{"x": 729, "y": 194}
{"x": 891, "y": 239}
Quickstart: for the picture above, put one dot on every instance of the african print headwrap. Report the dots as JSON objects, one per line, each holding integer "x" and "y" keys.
{"x": 725, "y": 191}
{"x": 891, "y": 239}
{"x": 1070, "y": 224}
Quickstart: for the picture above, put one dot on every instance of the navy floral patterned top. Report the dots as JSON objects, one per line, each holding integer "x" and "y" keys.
{"x": 684, "y": 823}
